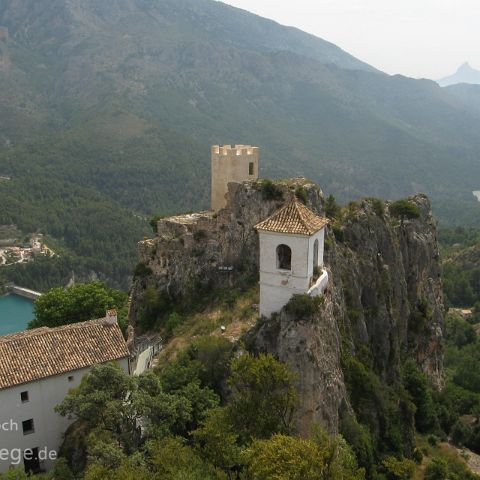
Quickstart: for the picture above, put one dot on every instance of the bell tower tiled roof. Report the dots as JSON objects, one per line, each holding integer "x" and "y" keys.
{"x": 294, "y": 218}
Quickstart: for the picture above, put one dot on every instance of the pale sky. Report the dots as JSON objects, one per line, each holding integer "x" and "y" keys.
{"x": 418, "y": 38}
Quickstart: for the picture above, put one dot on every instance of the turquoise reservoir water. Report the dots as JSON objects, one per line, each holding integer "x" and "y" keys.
{"x": 15, "y": 313}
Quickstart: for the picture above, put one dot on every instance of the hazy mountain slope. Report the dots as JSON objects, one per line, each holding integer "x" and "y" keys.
{"x": 464, "y": 74}
{"x": 468, "y": 94}
{"x": 124, "y": 98}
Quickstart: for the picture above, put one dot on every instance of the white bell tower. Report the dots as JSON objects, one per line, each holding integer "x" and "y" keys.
{"x": 291, "y": 256}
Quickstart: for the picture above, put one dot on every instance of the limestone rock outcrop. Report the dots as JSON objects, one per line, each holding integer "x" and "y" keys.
{"x": 384, "y": 297}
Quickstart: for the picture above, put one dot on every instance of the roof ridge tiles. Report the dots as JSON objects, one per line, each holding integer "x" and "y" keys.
{"x": 293, "y": 218}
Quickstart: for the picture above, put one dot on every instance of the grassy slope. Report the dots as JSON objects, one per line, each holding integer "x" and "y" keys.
{"x": 442, "y": 451}
{"x": 235, "y": 312}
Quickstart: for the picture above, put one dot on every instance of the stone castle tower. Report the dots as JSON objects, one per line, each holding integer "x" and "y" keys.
{"x": 231, "y": 164}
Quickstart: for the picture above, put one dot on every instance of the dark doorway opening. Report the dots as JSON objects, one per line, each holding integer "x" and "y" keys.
{"x": 31, "y": 461}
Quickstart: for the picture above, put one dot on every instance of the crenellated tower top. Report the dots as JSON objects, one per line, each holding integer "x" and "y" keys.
{"x": 235, "y": 150}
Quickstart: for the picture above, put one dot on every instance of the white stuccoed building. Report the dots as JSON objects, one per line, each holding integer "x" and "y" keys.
{"x": 37, "y": 369}
{"x": 291, "y": 256}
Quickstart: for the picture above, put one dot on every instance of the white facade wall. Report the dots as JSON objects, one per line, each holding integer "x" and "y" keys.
{"x": 277, "y": 286}
{"x": 49, "y": 427}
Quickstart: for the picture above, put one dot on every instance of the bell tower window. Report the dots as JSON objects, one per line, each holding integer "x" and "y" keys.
{"x": 284, "y": 257}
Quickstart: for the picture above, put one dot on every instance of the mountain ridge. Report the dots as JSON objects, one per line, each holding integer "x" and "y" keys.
{"x": 126, "y": 98}
{"x": 464, "y": 74}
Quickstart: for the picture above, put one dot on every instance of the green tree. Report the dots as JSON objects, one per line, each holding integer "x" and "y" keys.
{"x": 360, "y": 439}
{"x": 332, "y": 210}
{"x": 399, "y": 469}
{"x": 216, "y": 441}
{"x": 214, "y": 355}
{"x": 61, "y": 306}
{"x": 101, "y": 402}
{"x": 458, "y": 331}
{"x": 263, "y": 397}
{"x": 16, "y": 474}
{"x": 173, "y": 460}
{"x": 437, "y": 469}
{"x": 404, "y": 209}
{"x": 206, "y": 359}
{"x": 460, "y": 433}
{"x": 129, "y": 469}
{"x": 387, "y": 411}
{"x": 162, "y": 412}
{"x": 466, "y": 376}
{"x": 416, "y": 383}
{"x": 339, "y": 456}
{"x": 151, "y": 307}
{"x": 291, "y": 458}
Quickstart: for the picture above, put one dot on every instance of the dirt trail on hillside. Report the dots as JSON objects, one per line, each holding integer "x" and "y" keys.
{"x": 473, "y": 460}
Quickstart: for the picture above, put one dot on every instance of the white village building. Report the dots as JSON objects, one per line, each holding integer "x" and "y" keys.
{"x": 291, "y": 256}
{"x": 37, "y": 369}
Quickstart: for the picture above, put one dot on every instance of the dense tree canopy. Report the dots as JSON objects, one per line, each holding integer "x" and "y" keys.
{"x": 61, "y": 306}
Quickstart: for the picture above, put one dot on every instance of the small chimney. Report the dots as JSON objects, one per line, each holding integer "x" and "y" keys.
{"x": 111, "y": 317}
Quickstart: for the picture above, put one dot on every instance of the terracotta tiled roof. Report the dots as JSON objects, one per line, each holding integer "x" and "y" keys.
{"x": 42, "y": 352}
{"x": 293, "y": 218}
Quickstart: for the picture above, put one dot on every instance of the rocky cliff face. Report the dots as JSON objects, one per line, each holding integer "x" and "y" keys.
{"x": 384, "y": 299}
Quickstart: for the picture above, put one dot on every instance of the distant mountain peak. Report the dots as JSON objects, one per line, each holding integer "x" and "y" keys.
{"x": 464, "y": 74}
{"x": 465, "y": 67}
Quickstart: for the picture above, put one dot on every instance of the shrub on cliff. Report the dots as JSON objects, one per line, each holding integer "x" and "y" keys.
{"x": 142, "y": 270}
{"x": 332, "y": 210}
{"x": 270, "y": 191}
{"x": 377, "y": 205}
{"x": 404, "y": 209}
{"x": 151, "y": 306}
{"x": 302, "y": 194}
{"x": 303, "y": 306}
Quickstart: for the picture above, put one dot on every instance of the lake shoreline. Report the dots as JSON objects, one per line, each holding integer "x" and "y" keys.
{"x": 15, "y": 313}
